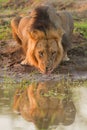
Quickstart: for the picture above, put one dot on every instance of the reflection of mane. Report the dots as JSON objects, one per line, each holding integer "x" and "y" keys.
{"x": 39, "y": 104}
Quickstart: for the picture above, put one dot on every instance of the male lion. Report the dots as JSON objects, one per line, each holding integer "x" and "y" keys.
{"x": 45, "y": 37}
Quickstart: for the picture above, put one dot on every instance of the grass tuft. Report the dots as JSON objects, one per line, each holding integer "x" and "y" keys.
{"x": 81, "y": 27}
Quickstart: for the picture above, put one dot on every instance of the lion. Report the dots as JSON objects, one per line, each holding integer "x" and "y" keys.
{"x": 45, "y": 104}
{"x": 45, "y": 36}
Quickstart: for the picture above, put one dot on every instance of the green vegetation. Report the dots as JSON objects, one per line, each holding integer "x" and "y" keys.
{"x": 81, "y": 27}
{"x": 5, "y": 29}
{"x": 5, "y": 32}
{"x": 6, "y": 15}
{"x": 9, "y": 82}
{"x": 3, "y": 1}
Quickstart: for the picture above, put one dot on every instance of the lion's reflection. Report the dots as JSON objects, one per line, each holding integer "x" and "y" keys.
{"x": 46, "y": 104}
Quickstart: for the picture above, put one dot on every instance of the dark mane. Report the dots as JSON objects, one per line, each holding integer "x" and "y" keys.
{"x": 40, "y": 19}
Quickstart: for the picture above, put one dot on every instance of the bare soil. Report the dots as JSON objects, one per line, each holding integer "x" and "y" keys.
{"x": 11, "y": 56}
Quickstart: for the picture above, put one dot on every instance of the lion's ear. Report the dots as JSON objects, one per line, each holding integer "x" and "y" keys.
{"x": 36, "y": 34}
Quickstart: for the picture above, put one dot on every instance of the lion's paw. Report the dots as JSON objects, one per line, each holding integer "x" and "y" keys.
{"x": 24, "y": 62}
{"x": 66, "y": 58}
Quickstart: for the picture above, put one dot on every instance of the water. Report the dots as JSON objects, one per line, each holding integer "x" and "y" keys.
{"x": 45, "y": 105}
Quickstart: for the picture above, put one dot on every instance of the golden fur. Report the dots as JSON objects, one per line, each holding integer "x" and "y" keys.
{"x": 39, "y": 103}
{"x": 44, "y": 36}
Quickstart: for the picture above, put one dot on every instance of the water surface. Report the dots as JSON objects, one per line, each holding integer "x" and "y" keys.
{"x": 45, "y": 105}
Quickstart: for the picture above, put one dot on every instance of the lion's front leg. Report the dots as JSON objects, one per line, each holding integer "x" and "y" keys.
{"x": 26, "y": 60}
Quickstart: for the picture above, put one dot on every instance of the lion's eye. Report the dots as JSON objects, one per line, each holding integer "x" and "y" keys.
{"x": 41, "y": 53}
{"x": 53, "y": 53}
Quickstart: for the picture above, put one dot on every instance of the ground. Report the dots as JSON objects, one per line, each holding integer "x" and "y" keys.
{"x": 11, "y": 54}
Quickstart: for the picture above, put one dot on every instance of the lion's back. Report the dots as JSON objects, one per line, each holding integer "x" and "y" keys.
{"x": 66, "y": 21}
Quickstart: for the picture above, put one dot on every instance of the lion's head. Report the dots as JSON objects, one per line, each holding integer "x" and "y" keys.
{"x": 45, "y": 52}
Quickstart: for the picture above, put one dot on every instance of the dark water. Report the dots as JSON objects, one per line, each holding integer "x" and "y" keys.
{"x": 47, "y": 105}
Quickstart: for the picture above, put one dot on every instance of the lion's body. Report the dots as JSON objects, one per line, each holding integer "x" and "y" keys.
{"x": 45, "y": 37}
